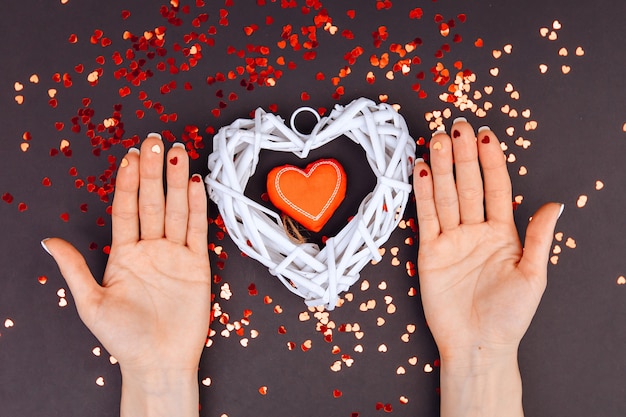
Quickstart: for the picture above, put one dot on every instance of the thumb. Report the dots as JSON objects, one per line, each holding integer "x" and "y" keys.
{"x": 539, "y": 235}
{"x": 82, "y": 284}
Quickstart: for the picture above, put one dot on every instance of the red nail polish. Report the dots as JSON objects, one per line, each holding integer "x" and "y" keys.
{"x": 423, "y": 173}
{"x": 196, "y": 178}
{"x": 485, "y": 139}
{"x": 174, "y": 160}
{"x": 456, "y": 134}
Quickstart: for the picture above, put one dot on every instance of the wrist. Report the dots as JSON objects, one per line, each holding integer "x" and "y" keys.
{"x": 481, "y": 382}
{"x": 159, "y": 392}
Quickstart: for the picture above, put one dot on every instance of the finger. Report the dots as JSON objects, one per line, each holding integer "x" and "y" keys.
{"x": 198, "y": 225}
{"x": 469, "y": 183}
{"x": 176, "y": 201}
{"x": 498, "y": 194}
{"x": 538, "y": 242}
{"x": 427, "y": 219}
{"x": 85, "y": 290}
{"x": 151, "y": 197}
{"x": 446, "y": 199}
{"x": 124, "y": 212}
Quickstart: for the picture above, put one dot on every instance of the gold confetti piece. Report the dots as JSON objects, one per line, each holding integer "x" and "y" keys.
{"x": 599, "y": 185}
{"x": 413, "y": 360}
{"x": 358, "y": 348}
{"x": 100, "y": 381}
{"x": 391, "y": 308}
{"x": 494, "y": 71}
{"x": 61, "y": 292}
{"x": 206, "y": 381}
{"x": 395, "y": 261}
{"x": 380, "y": 321}
{"x": 530, "y": 125}
{"x": 515, "y": 95}
{"x": 34, "y": 79}
{"x": 336, "y": 366}
{"x": 565, "y": 69}
{"x": 365, "y": 285}
{"x": 18, "y": 86}
{"x": 558, "y": 236}
{"x": 96, "y": 351}
{"x": 8, "y": 323}
{"x": 554, "y": 260}
{"x": 382, "y": 286}
{"x": 92, "y": 77}
{"x": 544, "y": 32}
{"x": 513, "y": 113}
{"x": 400, "y": 370}
{"x": 403, "y": 400}
{"x": 570, "y": 243}
{"x": 505, "y": 109}
{"x": 389, "y": 75}
{"x": 510, "y": 130}
{"x": 519, "y": 199}
{"x": 508, "y": 88}
{"x": 526, "y": 113}
{"x": 52, "y": 92}
{"x": 511, "y": 158}
{"x": 582, "y": 201}
{"x": 624, "y": 127}
{"x": 522, "y": 170}
{"x": 24, "y": 146}
{"x": 428, "y": 368}
{"x": 563, "y": 51}
{"x": 556, "y": 250}
{"x": 244, "y": 342}
{"x": 405, "y": 337}
{"x": 113, "y": 361}
{"x": 382, "y": 348}
{"x": 552, "y": 36}
{"x": 621, "y": 280}
{"x": 359, "y": 335}
{"x": 64, "y": 144}
{"x": 580, "y": 51}
{"x": 543, "y": 68}
{"x": 62, "y": 302}
{"x": 488, "y": 89}
{"x": 19, "y": 99}
{"x": 496, "y": 53}
{"x": 508, "y": 48}
{"x": 556, "y": 25}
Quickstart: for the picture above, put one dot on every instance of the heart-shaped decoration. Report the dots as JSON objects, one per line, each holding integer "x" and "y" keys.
{"x": 316, "y": 275}
{"x": 311, "y": 195}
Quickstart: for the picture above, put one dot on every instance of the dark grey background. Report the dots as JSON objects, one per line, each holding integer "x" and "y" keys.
{"x": 572, "y": 358}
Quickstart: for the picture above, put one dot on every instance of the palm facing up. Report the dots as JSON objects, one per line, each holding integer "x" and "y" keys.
{"x": 152, "y": 310}
{"x": 480, "y": 290}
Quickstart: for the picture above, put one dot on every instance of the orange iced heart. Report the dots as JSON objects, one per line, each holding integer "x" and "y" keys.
{"x": 311, "y": 195}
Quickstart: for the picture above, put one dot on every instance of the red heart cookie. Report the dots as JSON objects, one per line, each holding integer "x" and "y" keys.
{"x": 311, "y": 195}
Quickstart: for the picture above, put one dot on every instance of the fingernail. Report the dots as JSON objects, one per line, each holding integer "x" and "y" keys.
{"x": 419, "y": 160}
{"x": 459, "y": 119}
{"x": 561, "y": 211}
{"x": 134, "y": 150}
{"x": 155, "y": 135}
{"x": 483, "y": 128}
{"x": 439, "y": 131}
{"x": 178, "y": 145}
{"x": 43, "y": 245}
{"x": 196, "y": 178}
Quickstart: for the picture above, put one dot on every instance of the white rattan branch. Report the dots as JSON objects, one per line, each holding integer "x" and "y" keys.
{"x": 316, "y": 275}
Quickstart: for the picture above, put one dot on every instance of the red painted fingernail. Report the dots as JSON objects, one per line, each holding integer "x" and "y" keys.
{"x": 174, "y": 160}
{"x": 196, "y": 178}
{"x": 485, "y": 139}
{"x": 456, "y": 134}
{"x": 423, "y": 173}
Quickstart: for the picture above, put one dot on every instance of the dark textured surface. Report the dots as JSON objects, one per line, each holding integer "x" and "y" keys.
{"x": 572, "y": 358}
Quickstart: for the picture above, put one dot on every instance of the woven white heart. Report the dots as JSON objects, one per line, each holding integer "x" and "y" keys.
{"x": 316, "y": 275}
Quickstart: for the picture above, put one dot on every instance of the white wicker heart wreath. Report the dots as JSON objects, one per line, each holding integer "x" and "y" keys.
{"x": 316, "y": 275}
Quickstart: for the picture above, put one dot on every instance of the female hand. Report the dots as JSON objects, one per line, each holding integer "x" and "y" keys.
{"x": 479, "y": 288}
{"x": 153, "y": 308}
